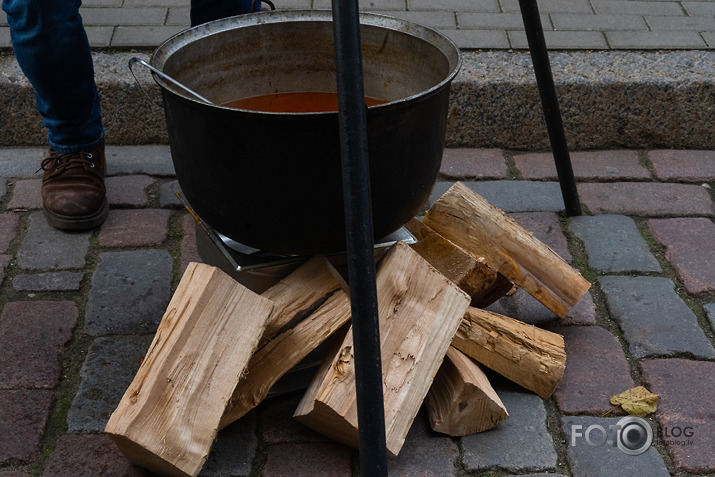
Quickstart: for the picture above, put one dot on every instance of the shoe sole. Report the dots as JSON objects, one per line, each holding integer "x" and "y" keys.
{"x": 85, "y": 222}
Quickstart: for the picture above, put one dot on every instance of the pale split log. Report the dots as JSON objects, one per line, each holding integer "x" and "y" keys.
{"x": 310, "y": 306}
{"x": 529, "y": 356}
{"x": 168, "y": 417}
{"x": 461, "y": 400}
{"x": 419, "y": 311}
{"x": 468, "y": 220}
{"x": 482, "y": 283}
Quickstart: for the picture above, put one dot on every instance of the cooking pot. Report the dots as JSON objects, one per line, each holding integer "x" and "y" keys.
{"x": 271, "y": 180}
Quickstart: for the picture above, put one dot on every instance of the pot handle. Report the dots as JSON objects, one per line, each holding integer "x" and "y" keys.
{"x": 165, "y": 77}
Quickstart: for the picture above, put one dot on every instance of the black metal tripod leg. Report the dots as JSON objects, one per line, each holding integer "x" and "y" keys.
{"x": 550, "y": 104}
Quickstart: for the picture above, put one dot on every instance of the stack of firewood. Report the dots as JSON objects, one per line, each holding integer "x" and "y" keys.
{"x": 220, "y": 347}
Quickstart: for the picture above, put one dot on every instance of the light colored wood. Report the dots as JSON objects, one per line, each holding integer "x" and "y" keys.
{"x": 419, "y": 312}
{"x": 325, "y": 308}
{"x": 531, "y": 357}
{"x": 483, "y": 230}
{"x": 483, "y": 284}
{"x": 461, "y": 400}
{"x": 168, "y": 418}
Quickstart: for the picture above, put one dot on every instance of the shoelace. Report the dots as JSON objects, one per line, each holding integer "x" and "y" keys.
{"x": 60, "y": 162}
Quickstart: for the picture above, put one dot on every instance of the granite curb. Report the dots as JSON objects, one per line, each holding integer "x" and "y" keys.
{"x": 609, "y": 100}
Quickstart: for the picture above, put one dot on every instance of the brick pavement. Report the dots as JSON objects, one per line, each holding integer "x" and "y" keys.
{"x": 79, "y": 311}
{"x": 478, "y": 24}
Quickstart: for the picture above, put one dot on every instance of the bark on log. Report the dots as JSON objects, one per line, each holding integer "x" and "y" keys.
{"x": 419, "y": 312}
{"x": 483, "y": 230}
{"x": 531, "y": 357}
{"x": 483, "y": 284}
{"x": 461, "y": 400}
{"x": 168, "y": 418}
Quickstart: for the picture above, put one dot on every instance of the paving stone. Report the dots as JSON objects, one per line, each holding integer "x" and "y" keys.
{"x": 546, "y": 227}
{"x": 614, "y": 244}
{"x": 234, "y": 450}
{"x": 678, "y": 165}
{"x": 425, "y": 452}
{"x": 128, "y": 190}
{"x": 189, "y": 252}
{"x": 3, "y": 189}
{"x": 107, "y": 372}
{"x": 606, "y": 460}
{"x": 13, "y": 473}
{"x": 21, "y": 161}
{"x": 682, "y": 405}
{"x": 710, "y": 310}
{"x": 46, "y": 248}
{"x": 470, "y": 163}
{"x": 512, "y": 196}
{"x": 326, "y": 459}
{"x": 23, "y": 415}
{"x": 8, "y": 230}
{"x": 167, "y": 195}
{"x": 149, "y": 159}
{"x": 645, "y": 199}
{"x": 48, "y": 281}
{"x": 690, "y": 248}
{"x": 277, "y": 423}
{"x": 600, "y": 165}
{"x": 87, "y": 455}
{"x": 689, "y": 40}
{"x": 520, "y": 443}
{"x": 529, "y": 310}
{"x": 26, "y": 195}
{"x": 130, "y": 291}
{"x": 654, "y": 319}
{"x": 33, "y": 335}
{"x": 135, "y": 228}
{"x": 596, "y": 369}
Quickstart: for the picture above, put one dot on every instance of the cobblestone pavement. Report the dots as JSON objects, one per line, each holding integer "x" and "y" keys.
{"x": 473, "y": 24}
{"x": 78, "y": 311}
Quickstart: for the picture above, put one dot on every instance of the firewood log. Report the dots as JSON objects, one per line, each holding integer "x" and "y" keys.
{"x": 468, "y": 220}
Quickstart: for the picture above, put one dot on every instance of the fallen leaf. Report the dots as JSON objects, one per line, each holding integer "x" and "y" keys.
{"x": 637, "y": 401}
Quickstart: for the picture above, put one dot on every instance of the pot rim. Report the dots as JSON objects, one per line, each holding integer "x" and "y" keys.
{"x": 174, "y": 43}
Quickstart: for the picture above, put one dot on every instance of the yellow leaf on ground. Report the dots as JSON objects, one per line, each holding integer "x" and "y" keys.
{"x": 637, "y": 401}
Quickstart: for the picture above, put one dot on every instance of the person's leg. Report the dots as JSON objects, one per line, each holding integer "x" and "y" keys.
{"x": 51, "y": 47}
{"x": 203, "y": 11}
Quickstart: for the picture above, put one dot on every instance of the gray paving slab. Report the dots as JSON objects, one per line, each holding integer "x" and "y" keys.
{"x": 153, "y": 159}
{"x": 614, "y": 244}
{"x": 710, "y": 311}
{"x": 21, "y": 161}
{"x": 520, "y": 443}
{"x": 106, "y": 373}
{"x": 653, "y": 318}
{"x": 512, "y": 196}
{"x": 425, "y": 452}
{"x": 606, "y": 460}
{"x": 234, "y": 450}
{"x": 46, "y": 248}
{"x": 130, "y": 291}
{"x": 48, "y": 281}
{"x": 8, "y": 230}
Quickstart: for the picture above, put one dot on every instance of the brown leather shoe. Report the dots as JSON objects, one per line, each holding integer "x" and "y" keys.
{"x": 73, "y": 192}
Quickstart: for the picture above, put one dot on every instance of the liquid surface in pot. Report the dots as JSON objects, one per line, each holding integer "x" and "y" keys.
{"x": 294, "y": 102}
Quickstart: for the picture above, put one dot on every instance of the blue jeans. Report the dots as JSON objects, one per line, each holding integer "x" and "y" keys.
{"x": 51, "y": 47}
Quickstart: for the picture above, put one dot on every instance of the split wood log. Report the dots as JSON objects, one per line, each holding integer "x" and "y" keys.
{"x": 310, "y": 305}
{"x": 168, "y": 418}
{"x": 461, "y": 400}
{"x": 419, "y": 312}
{"x": 483, "y": 230}
{"x": 531, "y": 357}
{"x": 483, "y": 284}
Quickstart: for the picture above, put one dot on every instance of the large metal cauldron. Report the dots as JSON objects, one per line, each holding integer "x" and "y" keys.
{"x": 272, "y": 180}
